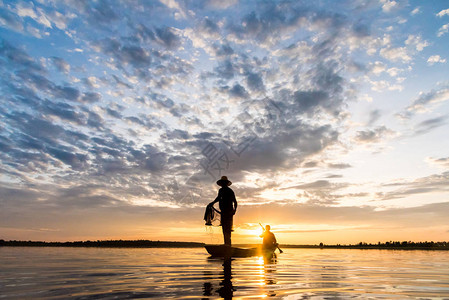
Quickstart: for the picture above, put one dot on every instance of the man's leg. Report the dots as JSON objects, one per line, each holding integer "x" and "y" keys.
{"x": 226, "y": 224}
{"x": 227, "y": 237}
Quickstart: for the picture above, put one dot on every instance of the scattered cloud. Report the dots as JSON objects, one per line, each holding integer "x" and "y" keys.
{"x": 443, "y": 30}
{"x": 429, "y": 184}
{"x": 395, "y": 54}
{"x": 388, "y": 5}
{"x": 174, "y": 5}
{"x": 384, "y": 85}
{"x": 435, "y": 59}
{"x": 222, "y": 4}
{"x": 339, "y": 166}
{"x": 429, "y": 124}
{"x": 373, "y": 135}
{"x": 11, "y": 21}
{"x": 441, "y": 162}
{"x": 374, "y": 116}
{"x": 415, "y": 11}
{"x": 425, "y": 100}
{"x": 61, "y": 65}
{"x": 443, "y": 13}
{"x": 417, "y": 42}
{"x": 378, "y": 67}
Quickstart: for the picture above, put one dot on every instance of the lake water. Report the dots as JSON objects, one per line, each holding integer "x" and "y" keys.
{"x": 101, "y": 273}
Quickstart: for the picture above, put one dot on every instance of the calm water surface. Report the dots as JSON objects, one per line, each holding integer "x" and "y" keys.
{"x": 101, "y": 273}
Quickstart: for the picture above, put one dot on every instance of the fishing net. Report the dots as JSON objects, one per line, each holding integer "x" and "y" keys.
{"x": 212, "y": 218}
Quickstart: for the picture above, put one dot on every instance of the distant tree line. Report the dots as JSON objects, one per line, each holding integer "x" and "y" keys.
{"x": 406, "y": 245}
{"x": 393, "y": 245}
{"x": 106, "y": 244}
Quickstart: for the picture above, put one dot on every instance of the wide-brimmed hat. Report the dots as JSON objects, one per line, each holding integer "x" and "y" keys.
{"x": 224, "y": 181}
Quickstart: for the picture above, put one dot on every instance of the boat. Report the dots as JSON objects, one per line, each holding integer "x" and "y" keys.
{"x": 228, "y": 251}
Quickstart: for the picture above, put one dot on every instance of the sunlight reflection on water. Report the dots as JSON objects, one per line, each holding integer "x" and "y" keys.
{"x": 93, "y": 273}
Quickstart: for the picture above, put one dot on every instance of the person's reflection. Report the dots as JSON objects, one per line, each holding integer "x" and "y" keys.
{"x": 270, "y": 259}
{"x": 226, "y": 289}
{"x": 207, "y": 289}
{"x": 269, "y": 268}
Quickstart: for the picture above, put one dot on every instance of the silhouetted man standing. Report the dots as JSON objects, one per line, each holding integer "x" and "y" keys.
{"x": 228, "y": 206}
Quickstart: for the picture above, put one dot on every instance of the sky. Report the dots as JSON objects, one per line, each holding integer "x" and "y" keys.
{"x": 329, "y": 117}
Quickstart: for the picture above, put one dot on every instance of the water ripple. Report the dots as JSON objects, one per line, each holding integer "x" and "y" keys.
{"x": 83, "y": 273}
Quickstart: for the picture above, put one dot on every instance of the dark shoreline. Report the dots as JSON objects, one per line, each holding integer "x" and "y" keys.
{"x": 171, "y": 244}
{"x": 365, "y": 246}
{"x": 104, "y": 244}
{"x": 375, "y": 247}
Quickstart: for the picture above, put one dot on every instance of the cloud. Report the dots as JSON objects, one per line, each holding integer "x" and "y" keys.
{"x": 309, "y": 100}
{"x": 125, "y": 54}
{"x": 101, "y": 12}
{"x": 373, "y": 136}
{"x": 225, "y": 70}
{"x": 415, "y": 11}
{"x": 435, "y": 59}
{"x": 383, "y": 85}
{"x": 322, "y": 192}
{"x": 61, "y": 65}
{"x": 441, "y": 162}
{"x": 167, "y": 37}
{"x": 91, "y": 97}
{"x": 417, "y": 42}
{"x": 27, "y": 10}
{"x": 429, "y": 124}
{"x": 378, "y": 67}
{"x": 430, "y": 184}
{"x": 173, "y": 4}
{"x": 255, "y": 82}
{"x": 222, "y": 4}
{"x": 47, "y": 138}
{"x": 339, "y": 166}
{"x": 76, "y": 160}
{"x": 141, "y": 58}
{"x": 443, "y": 30}
{"x": 442, "y": 13}
{"x": 324, "y": 96}
{"x": 388, "y": 5}
{"x": 319, "y": 184}
{"x": 272, "y": 22}
{"x": 11, "y": 20}
{"x": 238, "y": 91}
{"x": 349, "y": 215}
{"x": 395, "y": 54}
{"x": 223, "y": 50}
{"x": 17, "y": 58}
{"x": 374, "y": 115}
{"x": 60, "y": 20}
{"x": 426, "y": 100}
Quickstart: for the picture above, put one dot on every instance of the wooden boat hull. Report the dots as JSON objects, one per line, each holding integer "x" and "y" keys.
{"x": 226, "y": 251}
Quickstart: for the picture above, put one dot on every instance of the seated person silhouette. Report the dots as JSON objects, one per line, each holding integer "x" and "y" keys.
{"x": 269, "y": 240}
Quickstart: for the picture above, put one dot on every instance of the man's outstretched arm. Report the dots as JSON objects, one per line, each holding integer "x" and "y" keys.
{"x": 216, "y": 199}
